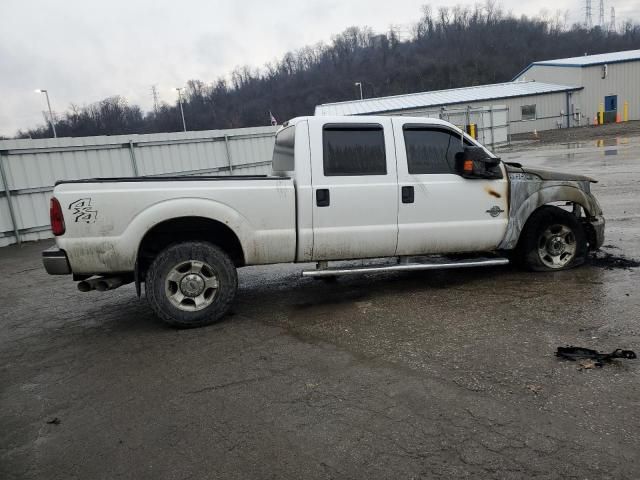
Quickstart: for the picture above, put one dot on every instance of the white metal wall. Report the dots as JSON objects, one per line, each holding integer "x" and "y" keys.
{"x": 31, "y": 167}
{"x": 549, "y": 74}
{"x": 551, "y": 111}
{"x": 621, "y": 80}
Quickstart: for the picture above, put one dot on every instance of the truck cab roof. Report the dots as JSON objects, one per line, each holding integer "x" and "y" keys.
{"x": 367, "y": 119}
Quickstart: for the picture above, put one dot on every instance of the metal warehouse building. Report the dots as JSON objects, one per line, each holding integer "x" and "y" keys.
{"x": 497, "y": 109}
{"x": 608, "y": 81}
{"x": 549, "y": 94}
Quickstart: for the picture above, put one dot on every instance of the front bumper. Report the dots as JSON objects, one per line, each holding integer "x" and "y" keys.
{"x": 595, "y": 231}
{"x": 55, "y": 261}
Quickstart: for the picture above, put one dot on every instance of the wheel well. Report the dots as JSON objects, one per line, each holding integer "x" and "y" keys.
{"x": 566, "y": 205}
{"x": 187, "y": 229}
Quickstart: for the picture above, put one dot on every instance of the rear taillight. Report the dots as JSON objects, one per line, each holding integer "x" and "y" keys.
{"x": 57, "y": 220}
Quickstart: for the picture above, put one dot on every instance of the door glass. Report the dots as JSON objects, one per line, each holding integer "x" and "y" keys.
{"x": 430, "y": 150}
{"x": 353, "y": 150}
{"x": 611, "y": 103}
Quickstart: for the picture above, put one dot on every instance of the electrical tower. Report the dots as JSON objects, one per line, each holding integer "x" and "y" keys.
{"x": 601, "y": 15}
{"x": 154, "y": 94}
{"x": 588, "y": 20}
{"x": 612, "y": 24}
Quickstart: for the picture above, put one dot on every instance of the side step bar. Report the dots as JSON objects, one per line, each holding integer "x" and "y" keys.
{"x": 405, "y": 266}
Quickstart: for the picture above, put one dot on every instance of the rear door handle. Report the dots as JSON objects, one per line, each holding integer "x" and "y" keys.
{"x": 407, "y": 194}
{"x": 323, "y": 198}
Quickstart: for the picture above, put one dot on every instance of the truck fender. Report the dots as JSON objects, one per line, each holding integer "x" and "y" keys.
{"x": 173, "y": 209}
{"x": 524, "y": 202}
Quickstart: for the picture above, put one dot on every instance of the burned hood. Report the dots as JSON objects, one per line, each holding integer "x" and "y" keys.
{"x": 547, "y": 174}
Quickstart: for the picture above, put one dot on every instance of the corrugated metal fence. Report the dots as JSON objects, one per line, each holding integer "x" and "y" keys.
{"x": 30, "y": 168}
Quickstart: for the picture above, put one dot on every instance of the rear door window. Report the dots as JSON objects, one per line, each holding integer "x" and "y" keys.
{"x": 350, "y": 150}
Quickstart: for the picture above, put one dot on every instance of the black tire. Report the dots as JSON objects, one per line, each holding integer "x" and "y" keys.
{"x": 217, "y": 268}
{"x": 329, "y": 279}
{"x": 548, "y": 231}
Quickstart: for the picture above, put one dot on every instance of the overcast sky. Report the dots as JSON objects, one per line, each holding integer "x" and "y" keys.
{"x": 85, "y": 50}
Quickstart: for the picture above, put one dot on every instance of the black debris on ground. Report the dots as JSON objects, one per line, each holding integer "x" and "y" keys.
{"x": 610, "y": 261}
{"x": 596, "y": 358}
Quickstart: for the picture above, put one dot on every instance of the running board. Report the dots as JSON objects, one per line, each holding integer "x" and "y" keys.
{"x": 403, "y": 267}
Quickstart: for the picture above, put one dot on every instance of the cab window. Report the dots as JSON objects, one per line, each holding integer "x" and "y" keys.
{"x": 353, "y": 149}
{"x": 431, "y": 150}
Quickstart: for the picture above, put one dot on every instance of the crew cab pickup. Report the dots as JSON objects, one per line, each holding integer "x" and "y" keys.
{"x": 342, "y": 188}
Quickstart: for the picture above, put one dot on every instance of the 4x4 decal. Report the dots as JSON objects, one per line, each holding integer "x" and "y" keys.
{"x": 83, "y": 211}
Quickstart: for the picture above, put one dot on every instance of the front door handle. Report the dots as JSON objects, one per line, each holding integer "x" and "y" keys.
{"x": 323, "y": 199}
{"x": 407, "y": 194}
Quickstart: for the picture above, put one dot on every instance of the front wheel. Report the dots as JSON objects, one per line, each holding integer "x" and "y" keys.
{"x": 191, "y": 284}
{"x": 553, "y": 239}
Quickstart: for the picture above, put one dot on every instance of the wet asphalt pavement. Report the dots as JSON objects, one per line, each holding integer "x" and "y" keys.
{"x": 406, "y": 375}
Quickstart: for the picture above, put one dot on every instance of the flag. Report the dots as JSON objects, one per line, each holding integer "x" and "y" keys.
{"x": 274, "y": 122}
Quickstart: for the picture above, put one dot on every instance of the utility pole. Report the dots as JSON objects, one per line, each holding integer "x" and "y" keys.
{"x": 601, "y": 21}
{"x": 179, "y": 90}
{"x": 51, "y": 121}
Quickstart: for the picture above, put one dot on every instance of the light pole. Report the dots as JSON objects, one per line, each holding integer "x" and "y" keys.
{"x": 53, "y": 126}
{"x": 179, "y": 90}
{"x": 359, "y": 84}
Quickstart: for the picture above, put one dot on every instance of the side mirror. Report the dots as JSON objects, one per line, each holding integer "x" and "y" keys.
{"x": 473, "y": 162}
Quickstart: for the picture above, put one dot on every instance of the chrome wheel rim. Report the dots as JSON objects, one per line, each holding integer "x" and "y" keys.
{"x": 557, "y": 246}
{"x": 191, "y": 286}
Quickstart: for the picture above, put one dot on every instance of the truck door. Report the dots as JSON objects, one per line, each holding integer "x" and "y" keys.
{"x": 355, "y": 199}
{"x": 439, "y": 211}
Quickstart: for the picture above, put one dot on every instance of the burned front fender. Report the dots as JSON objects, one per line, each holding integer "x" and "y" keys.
{"x": 594, "y": 226}
{"x": 528, "y": 192}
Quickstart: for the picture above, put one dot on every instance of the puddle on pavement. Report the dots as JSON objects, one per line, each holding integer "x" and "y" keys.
{"x": 608, "y": 142}
{"x": 611, "y": 142}
{"x": 574, "y": 145}
{"x": 597, "y": 152}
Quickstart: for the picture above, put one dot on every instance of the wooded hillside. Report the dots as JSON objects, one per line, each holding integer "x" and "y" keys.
{"x": 449, "y": 48}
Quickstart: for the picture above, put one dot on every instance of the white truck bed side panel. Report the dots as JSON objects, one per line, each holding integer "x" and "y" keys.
{"x": 105, "y": 222}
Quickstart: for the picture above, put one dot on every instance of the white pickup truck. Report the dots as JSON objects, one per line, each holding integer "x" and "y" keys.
{"x": 342, "y": 188}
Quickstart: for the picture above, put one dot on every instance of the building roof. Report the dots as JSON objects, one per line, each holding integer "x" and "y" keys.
{"x": 588, "y": 60}
{"x": 438, "y": 98}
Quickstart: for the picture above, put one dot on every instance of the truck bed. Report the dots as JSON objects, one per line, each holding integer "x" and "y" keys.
{"x": 107, "y": 218}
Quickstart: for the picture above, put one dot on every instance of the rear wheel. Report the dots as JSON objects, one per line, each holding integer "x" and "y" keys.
{"x": 553, "y": 239}
{"x": 191, "y": 284}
